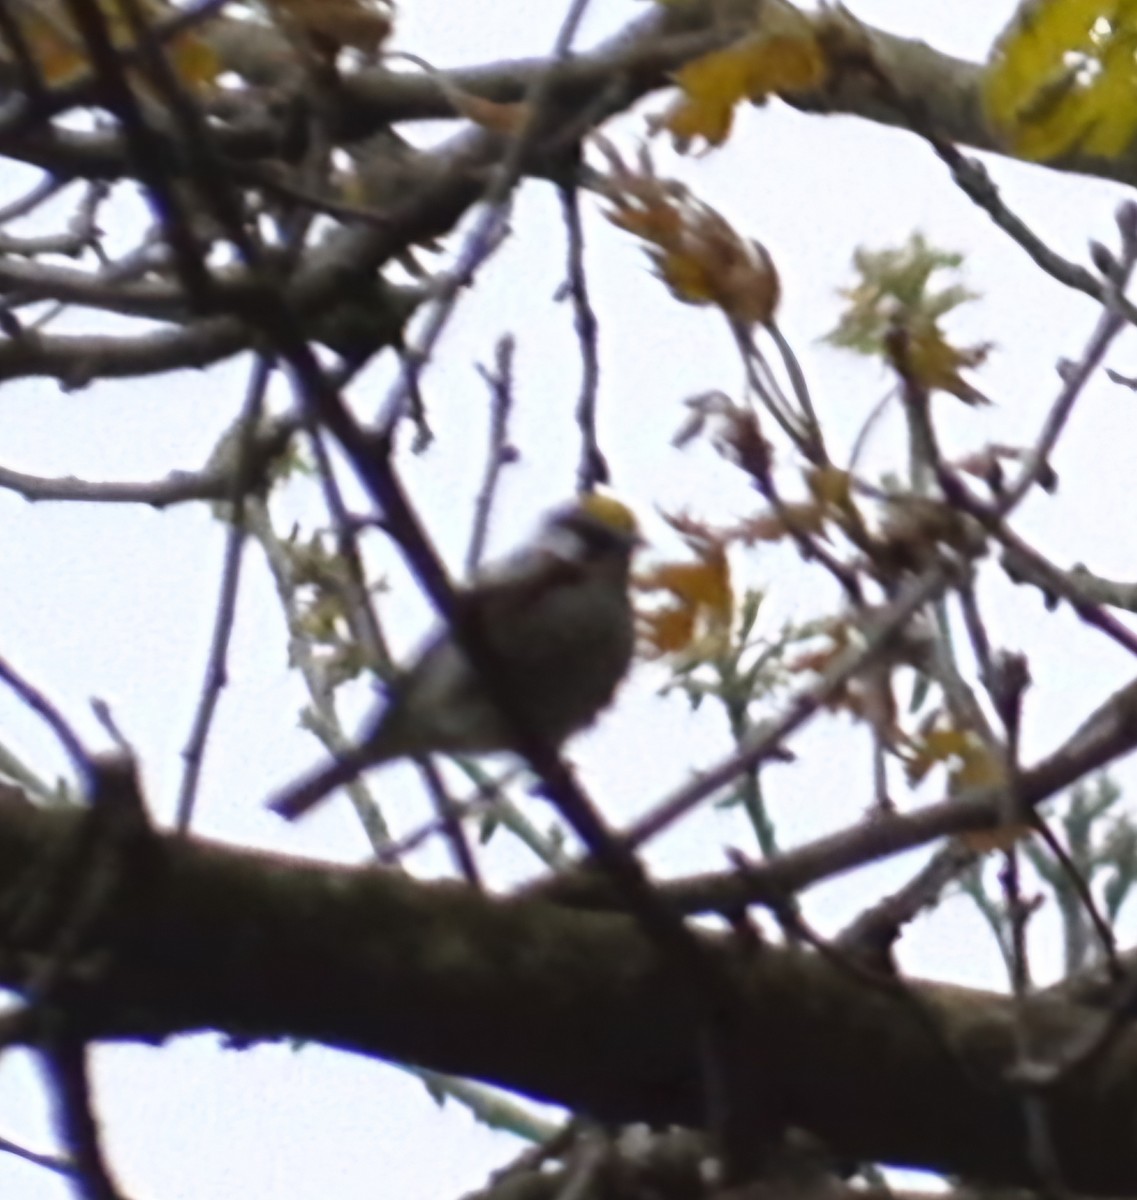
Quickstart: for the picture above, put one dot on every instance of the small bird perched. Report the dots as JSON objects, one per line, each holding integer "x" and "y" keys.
{"x": 557, "y": 623}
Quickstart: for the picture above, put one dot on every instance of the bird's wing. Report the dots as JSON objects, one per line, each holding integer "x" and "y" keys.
{"x": 517, "y": 583}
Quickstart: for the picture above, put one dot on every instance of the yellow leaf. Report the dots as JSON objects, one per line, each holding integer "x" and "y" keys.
{"x": 970, "y": 762}
{"x": 830, "y": 486}
{"x": 1113, "y": 97}
{"x": 704, "y": 584}
{"x": 706, "y": 262}
{"x": 668, "y": 630}
{"x": 1062, "y": 76}
{"x": 781, "y": 58}
{"x": 944, "y": 743}
{"x": 977, "y": 766}
{"x": 711, "y": 86}
{"x": 937, "y": 364}
{"x": 934, "y": 747}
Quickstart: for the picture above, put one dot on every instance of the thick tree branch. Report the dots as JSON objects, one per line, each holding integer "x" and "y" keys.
{"x": 643, "y": 57}
{"x": 435, "y": 189}
{"x": 571, "y": 1007}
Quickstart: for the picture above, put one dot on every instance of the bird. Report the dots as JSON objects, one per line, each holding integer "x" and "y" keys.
{"x": 557, "y": 625}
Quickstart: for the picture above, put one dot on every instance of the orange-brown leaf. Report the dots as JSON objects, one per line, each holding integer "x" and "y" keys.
{"x": 701, "y": 585}
{"x": 667, "y": 630}
{"x": 693, "y": 248}
{"x": 700, "y": 616}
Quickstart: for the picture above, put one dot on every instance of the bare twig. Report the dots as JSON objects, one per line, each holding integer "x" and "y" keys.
{"x": 499, "y": 454}
{"x": 216, "y": 671}
{"x": 50, "y": 1162}
{"x": 55, "y": 720}
{"x": 214, "y": 482}
{"x": 1078, "y": 882}
{"x": 879, "y": 926}
{"x": 48, "y": 187}
{"x": 488, "y": 232}
{"x": 1077, "y": 375}
{"x": 764, "y": 383}
{"x": 593, "y": 466}
{"x": 66, "y": 1060}
{"x": 1022, "y": 562}
{"x": 1107, "y": 734}
{"x": 974, "y": 181}
{"x": 449, "y": 816}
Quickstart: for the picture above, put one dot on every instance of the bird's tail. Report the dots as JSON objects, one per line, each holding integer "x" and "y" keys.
{"x": 295, "y": 801}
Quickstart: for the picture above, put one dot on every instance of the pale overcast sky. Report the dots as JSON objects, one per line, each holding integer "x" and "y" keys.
{"x": 118, "y": 603}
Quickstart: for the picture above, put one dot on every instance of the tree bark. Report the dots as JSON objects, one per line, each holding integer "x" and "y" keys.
{"x": 566, "y": 1006}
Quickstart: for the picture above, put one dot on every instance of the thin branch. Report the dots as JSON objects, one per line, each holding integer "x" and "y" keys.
{"x": 77, "y": 360}
{"x": 880, "y": 925}
{"x": 1075, "y": 376}
{"x": 449, "y": 816}
{"x": 766, "y": 386}
{"x": 50, "y": 1162}
{"x": 47, "y": 188}
{"x": 214, "y": 482}
{"x": 488, "y": 232}
{"x": 52, "y": 717}
{"x": 66, "y": 1059}
{"x": 975, "y": 182}
{"x": 499, "y": 454}
{"x": 1082, "y": 890}
{"x": 1107, "y": 734}
{"x": 815, "y": 441}
{"x": 216, "y": 671}
{"x": 1022, "y": 562}
{"x": 593, "y": 466}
